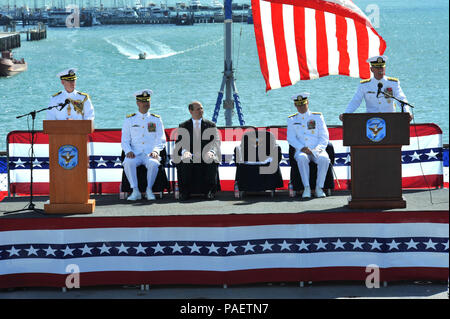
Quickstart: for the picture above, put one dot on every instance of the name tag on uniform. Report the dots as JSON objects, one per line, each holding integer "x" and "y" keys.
{"x": 151, "y": 127}
{"x": 135, "y": 125}
{"x": 311, "y": 125}
{"x": 297, "y": 123}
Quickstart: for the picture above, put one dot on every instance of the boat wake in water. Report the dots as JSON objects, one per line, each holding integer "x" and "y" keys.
{"x": 131, "y": 48}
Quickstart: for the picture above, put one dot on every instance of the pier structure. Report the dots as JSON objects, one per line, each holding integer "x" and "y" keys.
{"x": 9, "y": 40}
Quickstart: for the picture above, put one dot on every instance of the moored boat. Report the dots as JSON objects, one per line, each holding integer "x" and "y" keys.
{"x": 10, "y": 66}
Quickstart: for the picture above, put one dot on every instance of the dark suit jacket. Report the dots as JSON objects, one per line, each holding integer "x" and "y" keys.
{"x": 210, "y": 139}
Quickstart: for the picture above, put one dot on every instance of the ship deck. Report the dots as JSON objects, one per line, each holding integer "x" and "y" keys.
{"x": 226, "y": 204}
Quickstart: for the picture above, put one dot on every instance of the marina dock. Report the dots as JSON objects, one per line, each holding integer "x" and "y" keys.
{"x": 9, "y": 40}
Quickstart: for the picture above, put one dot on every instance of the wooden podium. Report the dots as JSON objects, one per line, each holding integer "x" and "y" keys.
{"x": 376, "y": 140}
{"x": 68, "y": 159}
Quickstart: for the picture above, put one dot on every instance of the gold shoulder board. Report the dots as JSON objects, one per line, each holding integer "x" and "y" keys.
{"x": 131, "y": 115}
{"x": 57, "y": 93}
{"x": 316, "y": 113}
{"x": 85, "y": 94}
{"x": 155, "y": 115}
{"x": 392, "y": 79}
{"x": 292, "y": 115}
{"x": 365, "y": 81}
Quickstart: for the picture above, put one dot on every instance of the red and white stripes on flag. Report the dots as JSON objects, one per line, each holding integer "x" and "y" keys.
{"x": 308, "y": 39}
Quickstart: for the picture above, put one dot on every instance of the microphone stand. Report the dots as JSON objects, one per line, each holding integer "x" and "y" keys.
{"x": 31, "y": 206}
{"x": 402, "y": 103}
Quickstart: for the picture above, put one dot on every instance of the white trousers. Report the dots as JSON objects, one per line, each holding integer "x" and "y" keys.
{"x": 130, "y": 165}
{"x": 322, "y": 161}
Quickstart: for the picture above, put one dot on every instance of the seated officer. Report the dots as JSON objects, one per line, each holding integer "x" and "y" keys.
{"x": 308, "y": 134}
{"x": 143, "y": 138}
{"x": 73, "y": 104}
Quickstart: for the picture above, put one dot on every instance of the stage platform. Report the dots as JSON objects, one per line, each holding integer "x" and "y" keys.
{"x": 224, "y": 241}
{"x": 225, "y": 204}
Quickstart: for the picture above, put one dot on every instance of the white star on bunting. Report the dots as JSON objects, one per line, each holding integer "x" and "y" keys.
{"x": 122, "y": 249}
{"x": 19, "y": 163}
{"x": 432, "y": 154}
{"x": 67, "y": 251}
{"x": 375, "y": 245}
{"x": 230, "y": 248}
{"x": 101, "y": 162}
{"x": 321, "y": 245}
{"x": 212, "y": 249}
{"x": 285, "y": 245}
{"x": 49, "y": 251}
{"x": 393, "y": 245}
{"x": 86, "y": 250}
{"x": 415, "y": 156}
{"x": 411, "y": 244}
{"x": 140, "y": 249}
{"x": 37, "y": 163}
{"x": 176, "y": 248}
{"x": 303, "y": 245}
{"x": 248, "y": 247}
{"x": 338, "y": 244}
{"x": 357, "y": 244}
{"x": 32, "y": 251}
{"x": 266, "y": 246}
{"x": 104, "y": 249}
{"x": 13, "y": 251}
{"x": 159, "y": 248}
{"x": 430, "y": 244}
{"x": 195, "y": 248}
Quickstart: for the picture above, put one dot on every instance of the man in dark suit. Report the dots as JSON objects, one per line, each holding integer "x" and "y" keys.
{"x": 197, "y": 154}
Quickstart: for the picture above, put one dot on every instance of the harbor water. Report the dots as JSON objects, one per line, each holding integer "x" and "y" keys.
{"x": 185, "y": 63}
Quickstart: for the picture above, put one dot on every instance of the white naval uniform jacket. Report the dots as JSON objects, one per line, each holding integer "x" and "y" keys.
{"x": 80, "y": 107}
{"x": 368, "y": 89}
{"x": 143, "y": 133}
{"x": 307, "y": 130}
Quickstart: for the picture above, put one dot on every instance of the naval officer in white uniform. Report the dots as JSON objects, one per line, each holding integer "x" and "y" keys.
{"x": 308, "y": 134}
{"x": 73, "y": 104}
{"x": 371, "y": 90}
{"x": 143, "y": 138}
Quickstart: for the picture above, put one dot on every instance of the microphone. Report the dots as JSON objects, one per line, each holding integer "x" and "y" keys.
{"x": 67, "y": 101}
{"x": 380, "y": 85}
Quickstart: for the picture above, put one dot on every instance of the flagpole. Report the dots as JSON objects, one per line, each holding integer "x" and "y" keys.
{"x": 228, "y": 86}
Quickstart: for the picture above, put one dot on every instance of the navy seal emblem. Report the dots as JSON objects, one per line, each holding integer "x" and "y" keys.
{"x": 375, "y": 129}
{"x": 68, "y": 156}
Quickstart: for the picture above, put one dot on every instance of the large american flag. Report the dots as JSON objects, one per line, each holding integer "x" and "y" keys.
{"x": 224, "y": 249}
{"x": 308, "y": 39}
{"x": 422, "y": 160}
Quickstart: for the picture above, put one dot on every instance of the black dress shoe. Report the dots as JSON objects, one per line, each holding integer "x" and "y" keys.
{"x": 210, "y": 195}
{"x": 184, "y": 197}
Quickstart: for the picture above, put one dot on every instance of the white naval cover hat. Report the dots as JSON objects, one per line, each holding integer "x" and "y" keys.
{"x": 143, "y": 95}
{"x": 68, "y": 74}
{"x": 377, "y": 60}
{"x": 301, "y": 97}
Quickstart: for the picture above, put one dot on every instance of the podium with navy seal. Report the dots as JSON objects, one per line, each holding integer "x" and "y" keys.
{"x": 68, "y": 160}
{"x": 375, "y": 141}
